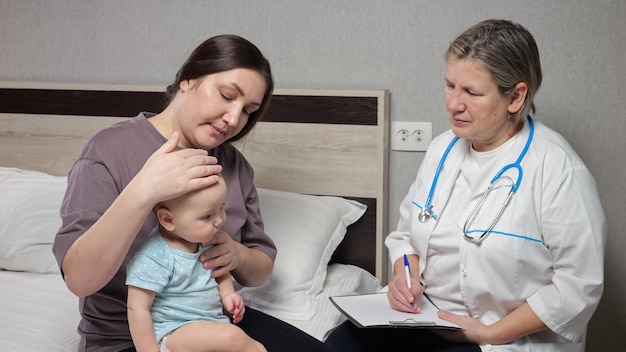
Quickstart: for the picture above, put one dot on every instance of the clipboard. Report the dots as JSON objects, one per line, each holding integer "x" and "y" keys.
{"x": 373, "y": 311}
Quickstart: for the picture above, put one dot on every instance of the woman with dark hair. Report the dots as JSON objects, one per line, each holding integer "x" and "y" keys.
{"x": 219, "y": 94}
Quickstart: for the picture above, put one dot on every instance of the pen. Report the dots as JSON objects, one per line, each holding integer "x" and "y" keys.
{"x": 407, "y": 272}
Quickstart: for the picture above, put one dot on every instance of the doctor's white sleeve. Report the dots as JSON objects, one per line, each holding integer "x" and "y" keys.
{"x": 398, "y": 241}
{"x": 574, "y": 230}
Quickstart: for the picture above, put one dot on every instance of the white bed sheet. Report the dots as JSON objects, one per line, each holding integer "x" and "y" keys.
{"x": 39, "y": 313}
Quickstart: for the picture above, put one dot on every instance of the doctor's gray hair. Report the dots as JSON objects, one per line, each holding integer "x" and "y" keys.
{"x": 508, "y": 51}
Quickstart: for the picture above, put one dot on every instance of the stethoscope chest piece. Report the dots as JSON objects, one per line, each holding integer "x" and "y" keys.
{"x": 425, "y": 215}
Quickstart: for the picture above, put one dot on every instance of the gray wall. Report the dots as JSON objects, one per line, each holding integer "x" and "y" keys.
{"x": 395, "y": 45}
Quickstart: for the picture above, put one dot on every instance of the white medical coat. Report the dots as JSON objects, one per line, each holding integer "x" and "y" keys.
{"x": 547, "y": 249}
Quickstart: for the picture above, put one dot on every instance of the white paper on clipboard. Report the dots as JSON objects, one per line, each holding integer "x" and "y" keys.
{"x": 373, "y": 310}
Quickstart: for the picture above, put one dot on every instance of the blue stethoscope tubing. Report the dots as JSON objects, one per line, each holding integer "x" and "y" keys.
{"x": 426, "y": 213}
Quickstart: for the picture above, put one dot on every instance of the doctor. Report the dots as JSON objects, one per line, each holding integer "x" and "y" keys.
{"x": 503, "y": 225}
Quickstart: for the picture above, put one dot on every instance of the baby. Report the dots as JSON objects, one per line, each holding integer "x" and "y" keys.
{"x": 173, "y": 302}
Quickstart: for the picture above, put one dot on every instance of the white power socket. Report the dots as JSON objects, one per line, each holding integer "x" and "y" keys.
{"x": 411, "y": 136}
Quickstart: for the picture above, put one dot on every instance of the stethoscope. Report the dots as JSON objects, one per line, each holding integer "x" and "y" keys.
{"x": 427, "y": 211}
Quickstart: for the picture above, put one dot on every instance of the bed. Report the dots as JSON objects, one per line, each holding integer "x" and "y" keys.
{"x": 320, "y": 159}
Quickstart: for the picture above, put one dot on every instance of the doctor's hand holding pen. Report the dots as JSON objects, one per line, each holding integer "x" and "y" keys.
{"x": 405, "y": 287}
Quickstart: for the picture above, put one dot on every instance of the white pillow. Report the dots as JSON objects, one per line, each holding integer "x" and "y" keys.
{"x": 306, "y": 230}
{"x": 29, "y": 219}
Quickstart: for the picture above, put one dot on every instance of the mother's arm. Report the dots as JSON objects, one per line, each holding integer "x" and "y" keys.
{"x": 93, "y": 259}
{"x": 249, "y": 266}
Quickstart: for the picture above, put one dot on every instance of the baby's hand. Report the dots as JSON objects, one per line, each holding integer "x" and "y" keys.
{"x": 233, "y": 303}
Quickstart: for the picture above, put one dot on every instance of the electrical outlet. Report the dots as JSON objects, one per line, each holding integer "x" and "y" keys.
{"x": 411, "y": 136}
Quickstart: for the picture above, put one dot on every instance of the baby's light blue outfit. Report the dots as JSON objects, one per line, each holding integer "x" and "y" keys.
{"x": 185, "y": 291}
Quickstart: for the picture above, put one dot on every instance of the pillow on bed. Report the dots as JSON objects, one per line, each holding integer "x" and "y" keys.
{"x": 306, "y": 230}
{"x": 29, "y": 219}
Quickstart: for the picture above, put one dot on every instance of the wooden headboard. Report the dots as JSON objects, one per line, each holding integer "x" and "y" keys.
{"x": 323, "y": 142}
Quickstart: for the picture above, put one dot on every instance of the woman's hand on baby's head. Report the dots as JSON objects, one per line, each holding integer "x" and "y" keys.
{"x": 170, "y": 172}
